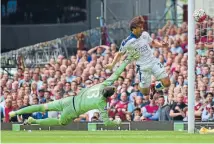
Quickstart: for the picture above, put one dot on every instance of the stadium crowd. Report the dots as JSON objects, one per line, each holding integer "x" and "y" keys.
{"x": 66, "y": 77}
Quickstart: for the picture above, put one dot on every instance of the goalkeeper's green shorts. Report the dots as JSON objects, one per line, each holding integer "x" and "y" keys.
{"x": 67, "y": 106}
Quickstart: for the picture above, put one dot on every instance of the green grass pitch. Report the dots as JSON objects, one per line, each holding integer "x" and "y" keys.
{"x": 104, "y": 137}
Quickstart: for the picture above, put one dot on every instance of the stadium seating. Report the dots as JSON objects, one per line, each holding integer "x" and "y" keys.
{"x": 62, "y": 77}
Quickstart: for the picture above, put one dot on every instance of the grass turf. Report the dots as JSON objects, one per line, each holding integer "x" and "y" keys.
{"x": 104, "y": 137}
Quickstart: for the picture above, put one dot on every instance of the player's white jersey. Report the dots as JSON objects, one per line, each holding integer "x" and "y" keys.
{"x": 140, "y": 44}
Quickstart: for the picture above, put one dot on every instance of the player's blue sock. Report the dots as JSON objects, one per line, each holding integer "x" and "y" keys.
{"x": 159, "y": 86}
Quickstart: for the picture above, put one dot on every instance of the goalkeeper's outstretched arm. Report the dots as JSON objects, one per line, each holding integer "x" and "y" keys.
{"x": 104, "y": 114}
{"x": 116, "y": 74}
{"x": 131, "y": 56}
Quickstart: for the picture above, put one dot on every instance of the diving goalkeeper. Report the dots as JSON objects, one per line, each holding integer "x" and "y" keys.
{"x": 88, "y": 99}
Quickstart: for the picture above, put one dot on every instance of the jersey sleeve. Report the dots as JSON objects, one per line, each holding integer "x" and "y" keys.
{"x": 126, "y": 43}
{"x": 145, "y": 36}
{"x": 102, "y": 108}
{"x": 122, "y": 47}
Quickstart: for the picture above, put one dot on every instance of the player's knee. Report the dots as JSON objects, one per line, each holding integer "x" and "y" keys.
{"x": 144, "y": 89}
{"x": 63, "y": 122}
{"x": 166, "y": 82}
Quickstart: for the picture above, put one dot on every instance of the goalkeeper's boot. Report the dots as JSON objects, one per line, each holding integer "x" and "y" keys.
{"x": 30, "y": 120}
{"x": 203, "y": 130}
{"x": 12, "y": 114}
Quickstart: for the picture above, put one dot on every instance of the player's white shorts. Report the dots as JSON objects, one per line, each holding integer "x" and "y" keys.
{"x": 145, "y": 72}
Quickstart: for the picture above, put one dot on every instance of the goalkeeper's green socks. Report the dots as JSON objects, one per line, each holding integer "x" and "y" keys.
{"x": 31, "y": 109}
{"x": 47, "y": 121}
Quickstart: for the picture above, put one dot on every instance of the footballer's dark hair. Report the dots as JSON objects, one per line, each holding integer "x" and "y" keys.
{"x": 108, "y": 91}
{"x": 135, "y": 22}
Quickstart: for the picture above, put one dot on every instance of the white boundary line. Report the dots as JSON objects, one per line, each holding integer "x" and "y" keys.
{"x": 107, "y": 143}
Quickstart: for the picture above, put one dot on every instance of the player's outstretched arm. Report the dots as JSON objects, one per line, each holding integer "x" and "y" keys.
{"x": 115, "y": 60}
{"x": 156, "y": 43}
{"x": 132, "y": 55}
{"x": 116, "y": 74}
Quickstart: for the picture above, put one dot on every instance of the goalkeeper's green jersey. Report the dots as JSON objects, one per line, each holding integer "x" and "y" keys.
{"x": 92, "y": 98}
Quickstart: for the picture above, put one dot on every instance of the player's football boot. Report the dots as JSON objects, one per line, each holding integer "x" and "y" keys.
{"x": 159, "y": 86}
{"x": 30, "y": 120}
{"x": 12, "y": 114}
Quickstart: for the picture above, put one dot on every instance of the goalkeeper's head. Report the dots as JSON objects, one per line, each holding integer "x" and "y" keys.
{"x": 109, "y": 91}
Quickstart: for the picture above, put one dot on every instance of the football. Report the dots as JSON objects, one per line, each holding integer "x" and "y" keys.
{"x": 199, "y": 15}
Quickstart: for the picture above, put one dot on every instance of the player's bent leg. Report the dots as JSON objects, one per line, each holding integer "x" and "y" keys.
{"x": 69, "y": 113}
{"x": 67, "y": 116}
{"x": 64, "y": 121}
{"x": 52, "y": 106}
{"x": 145, "y": 80}
{"x": 162, "y": 83}
{"x": 59, "y": 105}
{"x": 165, "y": 81}
{"x": 29, "y": 109}
{"x": 161, "y": 75}
{"x": 56, "y": 105}
{"x": 144, "y": 91}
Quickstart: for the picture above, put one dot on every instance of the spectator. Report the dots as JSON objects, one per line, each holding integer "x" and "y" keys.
{"x": 179, "y": 108}
{"x": 150, "y": 112}
{"x": 26, "y": 78}
{"x": 136, "y": 104}
{"x": 86, "y": 69}
{"x": 68, "y": 90}
{"x": 8, "y": 108}
{"x": 36, "y": 79}
{"x": 121, "y": 106}
{"x": 41, "y": 96}
{"x": 112, "y": 101}
{"x": 176, "y": 49}
{"x": 96, "y": 116}
{"x": 198, "y": 105}
{"x": 47, "y": 96}
{"x": 137, "y": 114}
{"x": 208, "y": 115}
{"x": 135, "y": 92}
{"x": 164, "y": 109}
{"x": 127, "y": 81}
{"x": 74, "y": 88}
{"x": 69, "y": 75}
